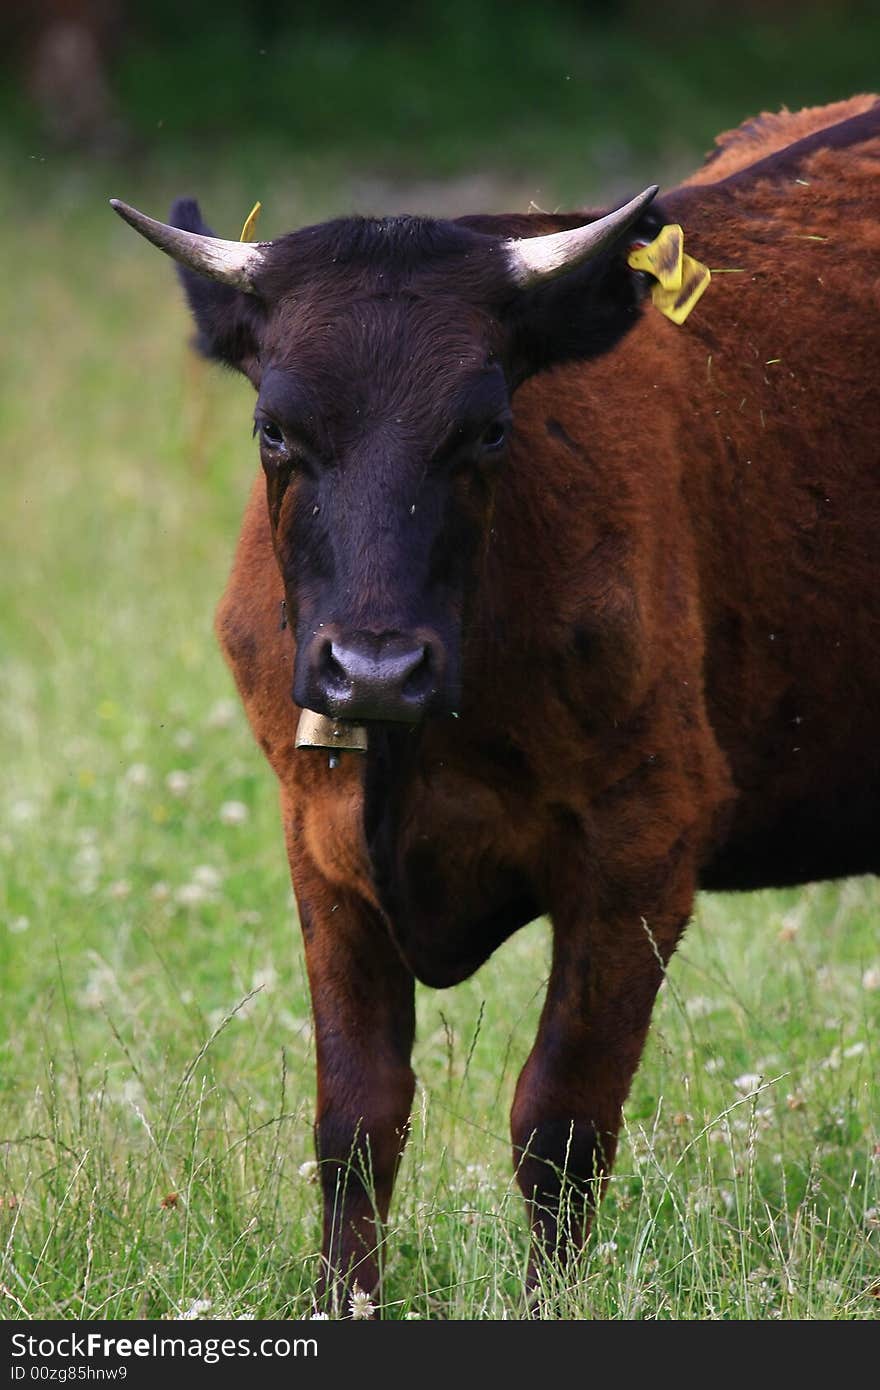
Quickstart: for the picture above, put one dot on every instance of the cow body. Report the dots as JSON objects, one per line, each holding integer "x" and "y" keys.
{"x": 670, "y": 679}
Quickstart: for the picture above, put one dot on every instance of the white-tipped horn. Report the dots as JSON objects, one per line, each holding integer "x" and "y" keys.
{"x": 233, "y": 262}
{"x": 532, "y": 259}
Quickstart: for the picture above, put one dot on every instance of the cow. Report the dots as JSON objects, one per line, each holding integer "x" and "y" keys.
{"x": 584, "y": 604}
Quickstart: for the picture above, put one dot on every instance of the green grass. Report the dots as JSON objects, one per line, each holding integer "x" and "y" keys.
{"x": 136, "y": 915}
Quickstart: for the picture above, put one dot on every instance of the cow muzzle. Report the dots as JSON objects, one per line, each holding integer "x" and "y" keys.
{"x": 361, "y": 676}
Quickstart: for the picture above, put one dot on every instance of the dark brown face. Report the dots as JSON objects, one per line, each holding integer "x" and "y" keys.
{"x": 382, "y": 433}
{"x": 384, "y": 355}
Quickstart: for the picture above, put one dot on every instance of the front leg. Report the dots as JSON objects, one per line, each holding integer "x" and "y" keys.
{"x": 606, "y": 970}
{"x": 364, "y": 1010}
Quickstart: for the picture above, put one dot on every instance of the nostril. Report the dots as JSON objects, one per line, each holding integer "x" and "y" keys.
{"x": 330, "y": 668}
{"x": 418, "y": 680}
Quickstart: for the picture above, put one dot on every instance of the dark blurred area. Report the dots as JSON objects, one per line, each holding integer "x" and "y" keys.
{"x": 452, "y": 83}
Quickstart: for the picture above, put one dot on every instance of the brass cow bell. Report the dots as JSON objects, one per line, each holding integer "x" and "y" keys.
{"x": 319, "y": 731}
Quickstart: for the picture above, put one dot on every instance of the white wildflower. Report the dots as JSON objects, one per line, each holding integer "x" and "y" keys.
{"x": 196, "y": 1309}
{"x": 871, "y": 978}
{"x": 479, "y": 1173}
{"x": 183, "y": 740}
{"x": 132, "y": 1093}
{"x": 201, "y": 888}
{"x": 17, "y": 925}
{"x": 178, "y": 782}
{"x": 318, "y": 1317}
{"x": 138, "y": 775}
{"x": 222, "y": 714}
{"x": 87, "y": 860}
{"x": 854, "y": 1050}
{"x": 701, "y": 1007}
{"x": 234, "y": 813}
{"x": 749, "y": 1081}
{"x": 101, "y": 984}
{"x": 22, "y": 812}
{"x": 360, "y": 1304}
{"x": 831, "y": 1286}
{"x": 192, "y": 895}
{"x": 308, "y": 1171}
{"x": 160, "y": 892}
{"x": 207, "y": 876}
{"x": 120, "y": 889}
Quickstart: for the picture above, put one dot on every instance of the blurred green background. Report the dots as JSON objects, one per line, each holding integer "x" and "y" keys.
{"x": 143, "y": 886}
{"x": 567, "y": 94}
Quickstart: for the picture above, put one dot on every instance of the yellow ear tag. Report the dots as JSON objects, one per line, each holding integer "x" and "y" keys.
{"x": 662, "y": 257}
{"x": 680, "y": 279}
{"x": 677, "y": 304}
{"x": 250, "y": 223}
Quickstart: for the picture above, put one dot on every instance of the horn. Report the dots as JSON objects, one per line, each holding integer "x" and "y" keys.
{"x": 233, "y": 262}
{"x": 532, "y": 259}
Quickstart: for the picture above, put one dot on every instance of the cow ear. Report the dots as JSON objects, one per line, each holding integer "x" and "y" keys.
{"x": 583, "y": 312}
{"x": 578, "y": 317}
{"x": 229, "y": 322}
{"x": 576, "y": 312}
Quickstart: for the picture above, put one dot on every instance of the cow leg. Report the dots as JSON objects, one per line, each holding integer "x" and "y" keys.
{"x": 568, "y": 1102}
{"x": 364, "y": 1012}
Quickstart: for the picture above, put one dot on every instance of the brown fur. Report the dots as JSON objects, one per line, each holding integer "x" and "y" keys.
{"x": 670, "y": 679}
{"x": 772, "y": 131}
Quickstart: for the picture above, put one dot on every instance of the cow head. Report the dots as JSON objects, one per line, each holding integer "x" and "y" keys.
{"x": 384, "y": 354}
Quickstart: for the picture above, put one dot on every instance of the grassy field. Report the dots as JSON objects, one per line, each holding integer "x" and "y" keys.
{"x": 156, "y": 1058}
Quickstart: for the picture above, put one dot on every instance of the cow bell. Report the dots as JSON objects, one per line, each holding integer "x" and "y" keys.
{"x": 319, "y": 731}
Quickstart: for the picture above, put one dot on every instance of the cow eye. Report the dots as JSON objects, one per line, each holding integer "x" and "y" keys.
{"x": 270, "y": 434}
{"x": 494, "y": 438}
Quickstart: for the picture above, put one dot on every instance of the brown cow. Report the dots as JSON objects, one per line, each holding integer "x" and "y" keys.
{"x": 602, "y": 591}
